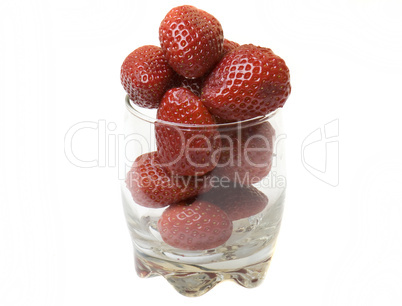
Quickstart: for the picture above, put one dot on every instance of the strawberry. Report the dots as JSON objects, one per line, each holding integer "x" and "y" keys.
{"x": 237, "y": 201}
{"x": 246, "y": 152}
{"x": 192, "y": 40}
{"x": 195, "y": 85}
{"x": 151, "y": 186}
{"x": 146, "y": 75}
{"x": 183, "y": 149}
{"x": 196, "y": 226}
{"x": 248, "y": 82}
{"x": 228, "y": 46}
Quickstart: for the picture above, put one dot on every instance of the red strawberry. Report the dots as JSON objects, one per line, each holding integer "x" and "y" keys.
{"x": 195, "y": 85}
{"x": 146, "y": 75}
{"x": 246, "y": 152}
{"x": 192, "y": 40}
{"x": 237, "y": 201}
{"x": 248, "y": 82}
{"x": 228, "y": 46}
{"x": 151, "y": 186}
{"x": 196, "y": 226}
{"x": 183, "y": 149}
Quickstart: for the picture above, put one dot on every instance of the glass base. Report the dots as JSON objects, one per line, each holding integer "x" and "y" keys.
{"x": 194, "y": 280}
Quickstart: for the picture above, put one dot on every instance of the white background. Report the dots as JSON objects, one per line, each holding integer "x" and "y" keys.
{"x": 63, "y": 237}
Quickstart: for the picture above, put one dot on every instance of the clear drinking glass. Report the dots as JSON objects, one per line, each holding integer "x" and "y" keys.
{"x": 248, "y": 184}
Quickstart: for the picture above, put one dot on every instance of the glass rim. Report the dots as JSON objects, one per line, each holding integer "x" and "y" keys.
{"x": 135, "y": 111}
